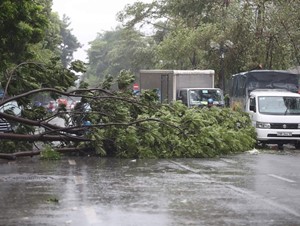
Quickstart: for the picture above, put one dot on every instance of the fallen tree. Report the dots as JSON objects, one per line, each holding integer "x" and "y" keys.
{"x": 115, "y": 122}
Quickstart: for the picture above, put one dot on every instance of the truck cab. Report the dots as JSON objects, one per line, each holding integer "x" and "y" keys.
{"x": 201, "y": 97}
{"x": 275, "y": 114}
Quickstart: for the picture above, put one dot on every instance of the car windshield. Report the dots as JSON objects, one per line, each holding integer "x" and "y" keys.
{"x": 279, "y": 105}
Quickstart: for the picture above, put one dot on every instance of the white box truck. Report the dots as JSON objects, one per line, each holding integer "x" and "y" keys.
{"x": 192, "y": 87}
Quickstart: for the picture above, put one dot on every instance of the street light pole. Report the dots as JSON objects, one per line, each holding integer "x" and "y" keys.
{"x": 222, "y": 75}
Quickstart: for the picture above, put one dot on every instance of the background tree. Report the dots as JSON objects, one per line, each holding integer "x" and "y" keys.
{"x": 116, "y": 50}
{"x": 30, "y": 54}
{"x": 260, "y": 32}
{"x": 22, "y": 23}
{"x": 69, "y": 42}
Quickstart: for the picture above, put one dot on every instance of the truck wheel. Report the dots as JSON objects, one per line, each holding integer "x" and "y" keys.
{"x": 280, "y": 146}
{"x": 261, "y": 145}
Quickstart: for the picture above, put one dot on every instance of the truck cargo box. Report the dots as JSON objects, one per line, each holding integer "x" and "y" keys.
{"x": 167, "y": 82}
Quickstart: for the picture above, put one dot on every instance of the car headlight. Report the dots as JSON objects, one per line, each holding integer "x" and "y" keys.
{"x": 263, "y": 125}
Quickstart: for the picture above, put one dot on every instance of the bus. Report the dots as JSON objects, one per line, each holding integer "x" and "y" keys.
{"x": 245, "y": 82}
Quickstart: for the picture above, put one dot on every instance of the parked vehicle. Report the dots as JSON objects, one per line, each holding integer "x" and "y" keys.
{"x": 272, "y": 100}
{"x": 52, "y": 106}
{"x": 13, "y": 108}
{"x": 173, "y": 85}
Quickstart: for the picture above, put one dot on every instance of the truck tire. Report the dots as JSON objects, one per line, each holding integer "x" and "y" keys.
{"x": 261, "y": 145}
{"x": 280, "y": 146}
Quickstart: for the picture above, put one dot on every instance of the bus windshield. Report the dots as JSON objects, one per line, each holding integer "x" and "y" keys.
{"x": 277, "y": 105}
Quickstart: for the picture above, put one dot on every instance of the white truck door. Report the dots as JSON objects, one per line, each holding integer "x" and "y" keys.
{"x": 251, "y": 108}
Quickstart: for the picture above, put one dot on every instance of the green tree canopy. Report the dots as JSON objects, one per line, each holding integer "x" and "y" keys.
{"x": 22, "y": 23}
{"x": 196, "y": 33}
{"x": 30, "y": 41}
{"x": 113, "y": 51}
{"x": 69, "y": 42}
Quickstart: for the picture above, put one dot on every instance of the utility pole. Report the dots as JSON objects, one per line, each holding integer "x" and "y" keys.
{"x": 222, "y": 74}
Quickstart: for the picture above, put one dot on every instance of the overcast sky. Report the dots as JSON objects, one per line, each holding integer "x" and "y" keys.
{"x": 89, "y": 17}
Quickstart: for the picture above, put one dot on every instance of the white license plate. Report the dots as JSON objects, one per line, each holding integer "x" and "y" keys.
{"x": 284, "y": 134}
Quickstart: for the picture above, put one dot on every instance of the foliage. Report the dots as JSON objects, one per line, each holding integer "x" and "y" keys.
{"x": 261, "y": 32}
{"x": 30, "y": 36}
{"x": 192, "y": 133}
{"x": 48, "y": 153}
{"x": 116, "y": 50}
{"x": 26, "y": 77}
{"x": 127, "y": 126}
{"x": 116, "y": 122}
{"x": 22, "y": 23}
{"x": 69, "y": 42}
{"x": 190, "y": 45}
{"x": 10, "y": 146}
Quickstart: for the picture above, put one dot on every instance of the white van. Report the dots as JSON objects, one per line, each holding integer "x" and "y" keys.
{"x": 276, "y": 116}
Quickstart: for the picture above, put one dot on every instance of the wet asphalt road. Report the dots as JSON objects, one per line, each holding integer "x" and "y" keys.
{"x": 245, "y": 189}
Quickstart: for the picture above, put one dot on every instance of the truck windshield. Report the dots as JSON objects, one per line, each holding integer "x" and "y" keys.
{"x": 275, "y": 105}
{"x": 201, "y": 96}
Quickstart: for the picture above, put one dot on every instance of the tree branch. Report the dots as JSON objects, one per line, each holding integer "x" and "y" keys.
{"x": 40, "y": 137}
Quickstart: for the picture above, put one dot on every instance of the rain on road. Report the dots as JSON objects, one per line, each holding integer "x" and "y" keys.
{"x": 244, "y": 189}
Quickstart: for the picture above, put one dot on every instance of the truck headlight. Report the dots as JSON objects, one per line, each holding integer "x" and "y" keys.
{"x": 263, "y": 125}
